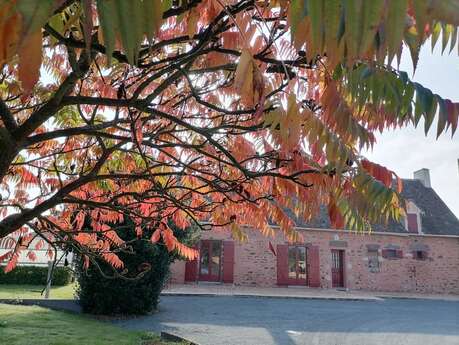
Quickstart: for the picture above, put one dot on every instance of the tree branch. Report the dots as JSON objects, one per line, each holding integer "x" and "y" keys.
{"x": 7, "y": 117}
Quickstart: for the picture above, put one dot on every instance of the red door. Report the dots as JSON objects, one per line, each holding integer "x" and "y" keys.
{"x": 297, "y": 274}
{"x": 337, "y": 268}
{"x": 210, "y": 259}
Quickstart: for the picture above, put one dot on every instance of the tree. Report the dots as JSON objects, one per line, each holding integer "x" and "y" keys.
{"x": 207, "y": 112}
{"x": 146, "y": 270}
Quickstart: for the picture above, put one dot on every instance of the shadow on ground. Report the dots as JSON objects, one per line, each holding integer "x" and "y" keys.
{"x": 266, "y": 321}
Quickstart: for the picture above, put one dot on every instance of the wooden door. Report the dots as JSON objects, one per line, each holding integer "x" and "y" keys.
{"x": 210, "y": 260}
{"x": 297, "y": 274}
{"x": 337, "y": 268}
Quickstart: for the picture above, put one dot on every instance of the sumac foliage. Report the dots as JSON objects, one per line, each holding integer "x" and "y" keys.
{"x": 215, "y": 112}
{"x": 146, "y": 270}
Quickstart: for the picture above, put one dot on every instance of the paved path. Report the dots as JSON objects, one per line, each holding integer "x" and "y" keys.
{"x": 208, "y": 289}
{"x": 231, "y": 320}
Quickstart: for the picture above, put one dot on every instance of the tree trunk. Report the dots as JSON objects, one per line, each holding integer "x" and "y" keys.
{"x": 8, "y": 150}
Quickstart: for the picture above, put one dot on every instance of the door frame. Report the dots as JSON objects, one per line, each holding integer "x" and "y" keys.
{"x": 210, "y": 277}
{"x": 342, "y": 261}
{"x": 297, "y": 281}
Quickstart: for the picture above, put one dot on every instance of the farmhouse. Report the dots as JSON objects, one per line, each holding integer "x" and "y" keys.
{"x": 419, "y": 254}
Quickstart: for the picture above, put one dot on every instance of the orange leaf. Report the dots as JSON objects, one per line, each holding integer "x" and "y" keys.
{"x": 113, "y": 260}
{"x": 13, "y": 262}
{"x": 243, "y": 79}
{"x": 156, "y": 235}
{"x": 336, "y": 219}
{"x": 9, "y": 33}
{"x": 379, "y": 172}
{"x": 30, "y": 54}
{"x": 169, "y": 239}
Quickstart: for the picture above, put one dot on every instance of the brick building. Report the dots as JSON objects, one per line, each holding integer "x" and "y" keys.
{"x": 420, "y": 254}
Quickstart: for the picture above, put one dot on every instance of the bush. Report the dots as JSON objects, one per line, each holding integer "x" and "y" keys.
{"x": 114, "y": 296}
{"x": 36, "y": 275}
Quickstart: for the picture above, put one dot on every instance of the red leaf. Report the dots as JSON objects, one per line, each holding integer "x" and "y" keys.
{"x": 336, "y": 219}
{"x": 32, "y": 256}
{"x": 453, "y": 115}
{"x": 379, "y": 172}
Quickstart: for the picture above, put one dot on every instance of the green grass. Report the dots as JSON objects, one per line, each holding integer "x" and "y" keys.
{"x": 34, "y": 291}
{"x": 32, "y": 325}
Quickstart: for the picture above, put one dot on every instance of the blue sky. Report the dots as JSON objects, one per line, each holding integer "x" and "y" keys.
{"x": 407, "y": 150}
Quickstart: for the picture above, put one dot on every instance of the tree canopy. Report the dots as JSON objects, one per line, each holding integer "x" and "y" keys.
{"x": 218, "y": 113}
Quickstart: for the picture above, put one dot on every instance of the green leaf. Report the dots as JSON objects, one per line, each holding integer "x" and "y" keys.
{"x": 352, "y": 26}
{"x": 34, "y": 14}
{"x": 108, "y": 21}
{"x": 446, "y": 34}
{"x": 453, "y": 39}
{"x": 297, "y": 11}
{"x": 420, "y": 13}
{"x": 371, "y": 17}
{"x": 127, "y": 27}
{"x": 395, "y": 26}
{"x": 332, "y": 19}
{"x": 435, "y": 34}
{"x": 414, "y": 45}
{"x": 315, "y": 13}
{"x": 148, "y": 12}
{"x": 442, "y": 115}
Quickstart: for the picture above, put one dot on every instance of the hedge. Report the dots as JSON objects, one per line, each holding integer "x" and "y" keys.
{"x": 35, "y": 275}
{"x": 116, "y": 296}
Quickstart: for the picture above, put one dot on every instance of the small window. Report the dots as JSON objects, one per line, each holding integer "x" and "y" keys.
{"x": 420, "y": 255}
{"x": 412, "y": 223}
{"x": 373, "y": 261}
{"x": 392, "y": 254}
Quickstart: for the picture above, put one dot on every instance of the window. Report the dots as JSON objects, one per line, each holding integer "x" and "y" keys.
{"x": 392, "y": 254}
{"x": 297, "y": 265}
{"x": 420, "y": 255}
{"x": 373, "y": 261}
{"x": 412, "y": 222}
{"x": 413, "y": 219}
{"x": 210, "y": 255}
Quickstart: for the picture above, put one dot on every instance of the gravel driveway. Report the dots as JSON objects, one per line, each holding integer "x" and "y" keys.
{"x": 268, "y": 321}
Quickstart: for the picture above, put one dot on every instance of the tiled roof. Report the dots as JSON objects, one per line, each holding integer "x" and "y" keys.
{"x": 436, "y": 217}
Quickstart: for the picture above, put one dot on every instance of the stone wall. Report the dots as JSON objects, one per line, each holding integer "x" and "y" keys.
{"x": 255, "y": 264}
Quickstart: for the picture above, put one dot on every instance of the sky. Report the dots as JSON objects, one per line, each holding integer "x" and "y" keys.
{"x": 407, "y": 150}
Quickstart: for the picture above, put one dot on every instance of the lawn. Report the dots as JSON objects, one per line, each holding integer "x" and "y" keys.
{"x": 34, "y": 291}
{"x": 27, "y": 325}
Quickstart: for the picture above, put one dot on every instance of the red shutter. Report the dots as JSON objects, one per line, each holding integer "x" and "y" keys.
{"x": 191, "y": 269}
{"x": 228, "y": 261}
{"x": 314, "y": 266}
{"x": 384, "y": 253}
{"x": 412, "y": 220}
{"x": 399, "y": 254}
{"x": 282, "y": 264}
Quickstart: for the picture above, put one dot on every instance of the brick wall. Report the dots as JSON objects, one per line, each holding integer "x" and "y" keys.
{"x": 255, "y": 264}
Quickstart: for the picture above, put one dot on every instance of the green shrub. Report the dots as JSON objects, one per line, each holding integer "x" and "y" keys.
{"x": 114, "y": 296}
{"x": 36, "y": 275}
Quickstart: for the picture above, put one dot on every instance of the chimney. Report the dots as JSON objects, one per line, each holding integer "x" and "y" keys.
{"x": 423, "y": 175}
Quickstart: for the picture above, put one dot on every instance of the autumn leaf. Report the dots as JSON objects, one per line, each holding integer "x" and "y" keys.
{"x": 156, "y": 236}
{"x": 224, "y": 116}
{"x": 243, "y": 79}
{"x": 30, "y": 55}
